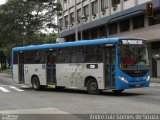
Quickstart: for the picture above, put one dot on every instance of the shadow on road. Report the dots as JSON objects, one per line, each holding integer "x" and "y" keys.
{"x": 78, "y": 91}
{"x": 110, "y": 93}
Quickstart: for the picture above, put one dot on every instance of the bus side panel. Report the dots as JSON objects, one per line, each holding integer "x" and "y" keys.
{"x": 74, "y": 74}
{"x": 15, "y": 73}
{"x": 97, "y": 73}
{"x": 63, "y": 75}
{"x": 36, "y": 69}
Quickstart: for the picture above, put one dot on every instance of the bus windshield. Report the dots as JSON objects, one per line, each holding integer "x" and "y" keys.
{"x": 133, "y": 57}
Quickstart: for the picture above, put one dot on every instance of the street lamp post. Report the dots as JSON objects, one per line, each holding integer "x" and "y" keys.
{"x": 76, "y": 30}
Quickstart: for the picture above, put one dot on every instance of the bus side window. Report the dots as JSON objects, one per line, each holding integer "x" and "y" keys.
{"x": 64, "y": 55}
{"x": 39, "y": 57}
{"x": 77, "y": 55}
{"x": 93, "y": 54}
{"x": 15, "y": 55}
{"x": 113, "y": 56}
{"x": 28, "y": 57}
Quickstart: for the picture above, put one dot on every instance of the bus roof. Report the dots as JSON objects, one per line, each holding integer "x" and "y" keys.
{"x": 75, "y": 43}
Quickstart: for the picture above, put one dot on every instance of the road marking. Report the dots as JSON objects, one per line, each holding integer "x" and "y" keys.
{"x": 23, "y": 86}
{"x": 4, "y": 90}
{"x": 11, "y": 84}
{"x": 15, "y": 88}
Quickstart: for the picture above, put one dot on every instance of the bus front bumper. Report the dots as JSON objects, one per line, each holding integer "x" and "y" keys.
{"x": 131, "y": 85}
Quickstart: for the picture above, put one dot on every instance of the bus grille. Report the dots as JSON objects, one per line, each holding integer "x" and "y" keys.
{"x": 133, "y": 73}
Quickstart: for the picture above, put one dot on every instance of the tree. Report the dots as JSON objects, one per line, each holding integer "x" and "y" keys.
{"x": 51, "y": 38}
{"x": 21, "y": 19}
{"x": 21, "y": 22}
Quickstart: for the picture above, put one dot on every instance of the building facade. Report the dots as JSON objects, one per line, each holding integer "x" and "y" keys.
{"x": 91, "y": 19}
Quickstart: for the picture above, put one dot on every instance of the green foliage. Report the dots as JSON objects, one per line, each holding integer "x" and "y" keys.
{"x": 21, "y": 22}
{"x": 51, "y": 38}
{"x": 43, "y": 38}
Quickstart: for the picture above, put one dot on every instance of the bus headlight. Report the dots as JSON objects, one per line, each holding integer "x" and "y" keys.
{"x": 148, "y": 78}
{"x": 122, "y": 79}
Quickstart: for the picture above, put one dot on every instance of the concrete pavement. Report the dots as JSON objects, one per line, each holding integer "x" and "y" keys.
{"x": 155, "y": 80}
{"x": 142, "y": 100}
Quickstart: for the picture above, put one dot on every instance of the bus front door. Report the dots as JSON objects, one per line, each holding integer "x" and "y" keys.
{"x": 110, "y": 67}
{"x": 21, "y": 67}
{"x": 51, "y": 67}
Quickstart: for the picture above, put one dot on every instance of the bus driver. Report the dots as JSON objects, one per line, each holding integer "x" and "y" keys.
{"x": 129, "y": 60}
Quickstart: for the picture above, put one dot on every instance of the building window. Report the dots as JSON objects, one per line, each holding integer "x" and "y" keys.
{"x": 104, "y": 4}
{"x": 155, "y": 19}
{"x": 86, "y": 35}
{"x": 138, "y": 22}
{"x": 72, "y": 18}
{"x": 79, "y": 15}
{"x": 102, "y": 32}
{"x": 94, "y": 8}
{"x": 94, "y": 33}
{"x": 66, "y": 21}
{"x": 61, "y": 24}
{"x": 86, "y": 10}
{"x": 115, "y": 2}
{"x": 113, "y": 28}
{"x": 124, "y": 25}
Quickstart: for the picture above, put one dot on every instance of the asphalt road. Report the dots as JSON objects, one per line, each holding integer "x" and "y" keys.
{"x": 23, "y": 100}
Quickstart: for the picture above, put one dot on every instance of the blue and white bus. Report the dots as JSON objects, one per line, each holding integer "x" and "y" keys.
{"x": 93, "y": 64}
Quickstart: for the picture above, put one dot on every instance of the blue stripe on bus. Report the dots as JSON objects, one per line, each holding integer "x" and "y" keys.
{"x": 70, "y": 44}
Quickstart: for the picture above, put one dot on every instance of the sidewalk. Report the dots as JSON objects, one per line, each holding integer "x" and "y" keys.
{"x": 155, "y": 79}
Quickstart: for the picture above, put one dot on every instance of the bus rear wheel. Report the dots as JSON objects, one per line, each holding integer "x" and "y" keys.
{"x": 92, "y": 87}
{"x": 36, "y": 83}
{"x": 118, "y": 91}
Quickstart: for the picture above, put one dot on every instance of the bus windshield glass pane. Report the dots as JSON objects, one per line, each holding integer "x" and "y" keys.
{"x": 133, "y": 56}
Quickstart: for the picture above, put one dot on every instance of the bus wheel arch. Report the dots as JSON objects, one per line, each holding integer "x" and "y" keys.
{"x": 35, "y": 82}
{"x": 92, "y": 85}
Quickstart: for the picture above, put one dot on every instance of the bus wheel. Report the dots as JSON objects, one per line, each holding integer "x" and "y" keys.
{"x": 118, "y": 91}
{"x": 92, "y": 87}
{"x": 36, "y": 83}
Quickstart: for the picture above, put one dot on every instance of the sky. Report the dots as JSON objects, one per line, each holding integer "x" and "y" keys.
{"x": 2, "y": 1}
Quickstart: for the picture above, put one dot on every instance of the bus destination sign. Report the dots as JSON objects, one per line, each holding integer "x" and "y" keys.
{"x": 132, "y": 42}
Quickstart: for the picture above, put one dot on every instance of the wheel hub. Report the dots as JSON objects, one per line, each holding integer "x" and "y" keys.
{"x": 93, "y": 86}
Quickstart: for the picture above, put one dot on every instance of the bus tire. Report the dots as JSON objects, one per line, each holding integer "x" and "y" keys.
{"x": 35, "y": 83}
{"x": 92, "y": 87}
{"x": 118, "y": 91}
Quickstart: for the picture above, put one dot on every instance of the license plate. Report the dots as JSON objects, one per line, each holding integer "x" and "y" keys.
{"x": 138, "y": 85}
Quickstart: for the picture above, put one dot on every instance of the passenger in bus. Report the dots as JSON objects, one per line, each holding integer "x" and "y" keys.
{"x": 129, "y": 60}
